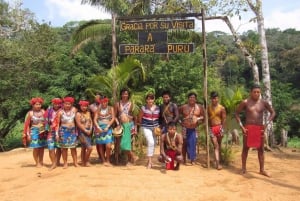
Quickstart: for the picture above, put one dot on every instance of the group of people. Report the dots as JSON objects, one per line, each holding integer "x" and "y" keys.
{"x": 62, "y": 125}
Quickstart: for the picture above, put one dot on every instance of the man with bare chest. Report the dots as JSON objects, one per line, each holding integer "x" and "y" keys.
{"x": 254, "y": 108}
{"x": 216, "y": 121}
{"x": 192, "y": 114}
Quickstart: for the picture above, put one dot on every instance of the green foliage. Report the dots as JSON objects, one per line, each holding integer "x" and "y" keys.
{"x": 129, "y": 73}
{"x": 92, "y": 30}
{"x": 294, "y": 142}
{"x": 227, "y": 155}
{"x": 283, "y": 99}
{"x": 13, "y": 139}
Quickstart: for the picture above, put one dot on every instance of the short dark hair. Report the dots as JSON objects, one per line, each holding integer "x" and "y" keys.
{"x": 214, "y": 94}
{"x": 255, "y": 86}
{"x": 171, "y": 124}
{"x": 166, "y": 92}
{"x": 192, "y": 94}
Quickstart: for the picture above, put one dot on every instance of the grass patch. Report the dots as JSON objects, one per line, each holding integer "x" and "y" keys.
{"x": 294, "y": 142}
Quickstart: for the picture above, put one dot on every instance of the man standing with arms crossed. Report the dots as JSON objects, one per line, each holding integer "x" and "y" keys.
{"x": 168, "y": 112}
{"x": 254, "y": 108}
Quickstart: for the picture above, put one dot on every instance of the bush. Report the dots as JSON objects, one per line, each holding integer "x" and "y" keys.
{"x": 13, "y": 139}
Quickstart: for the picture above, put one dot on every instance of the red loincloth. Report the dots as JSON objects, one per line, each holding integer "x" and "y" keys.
{"x": 172, "y": 154}
{"x": 254, "y": 135}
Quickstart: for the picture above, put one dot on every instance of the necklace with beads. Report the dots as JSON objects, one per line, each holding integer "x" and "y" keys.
{"x": 171, "y": 141}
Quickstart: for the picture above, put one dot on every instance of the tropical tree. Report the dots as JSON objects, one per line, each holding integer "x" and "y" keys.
{"x": 128, "y": 73}
{"x": 230, "y": 98}
{"x": 114, "y": 7}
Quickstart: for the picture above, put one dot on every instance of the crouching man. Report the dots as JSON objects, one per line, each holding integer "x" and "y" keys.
{"x": 171, "y": 148}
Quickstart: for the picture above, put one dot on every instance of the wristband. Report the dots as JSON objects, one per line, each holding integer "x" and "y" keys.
{"x": 241, "y": 124}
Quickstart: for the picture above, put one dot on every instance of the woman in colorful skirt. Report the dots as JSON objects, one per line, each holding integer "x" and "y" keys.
{"x": 50, "y": 116}
{"x": 34, "y": 130}
{"x": 103, "y": 119}
{"x": 66, "y": 134}
{"x": 84, "y": 125}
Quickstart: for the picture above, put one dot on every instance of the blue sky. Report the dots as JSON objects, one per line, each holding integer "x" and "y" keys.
{"x": 280, "y": 14}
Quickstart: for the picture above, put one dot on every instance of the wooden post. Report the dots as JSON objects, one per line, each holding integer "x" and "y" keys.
{"x": 205, "y": 86}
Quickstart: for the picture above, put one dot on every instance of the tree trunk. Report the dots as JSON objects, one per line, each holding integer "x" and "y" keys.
{"x": 205, "y": 86}
{"x": 114, "y": 53}
{"x": 239, "y": 43}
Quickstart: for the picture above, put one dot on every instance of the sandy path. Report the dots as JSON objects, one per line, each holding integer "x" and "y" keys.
{"x": 20, "y": 180}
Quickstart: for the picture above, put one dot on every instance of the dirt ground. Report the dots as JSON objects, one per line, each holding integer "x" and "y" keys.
{"x": 21, "y": 180}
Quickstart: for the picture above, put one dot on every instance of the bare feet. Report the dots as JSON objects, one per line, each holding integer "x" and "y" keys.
{"x": 39, "y": 165}
{"x": 243, "y": 171}
{"x": 263, "y": 172}
{"x": 134, "y": 159}
{"x": 65, "y": 166}
{"x": 52, "y": 167}
{"x": 149, "y": 166}
{"x": 219, "y": 167}
{"x": 76, "y": 165}
{"x": 107, "y": 164}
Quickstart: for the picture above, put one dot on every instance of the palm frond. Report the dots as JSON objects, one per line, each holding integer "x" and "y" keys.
{"x": 92, "y": 29}
{"x": 79, "y": 45}
{"x": 130, "y": 70}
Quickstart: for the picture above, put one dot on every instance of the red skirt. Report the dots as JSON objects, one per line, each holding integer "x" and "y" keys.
{"x": 255, "y": 134}
{"x": 172, "y": 155}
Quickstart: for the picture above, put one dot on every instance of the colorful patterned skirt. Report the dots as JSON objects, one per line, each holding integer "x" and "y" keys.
{"x": 51, "y": 140}
{"x": 38, "y": 138}
{"x": 68, "y": 137}
{"x": 85, "y": 140}
{"x": 104, "y": 137}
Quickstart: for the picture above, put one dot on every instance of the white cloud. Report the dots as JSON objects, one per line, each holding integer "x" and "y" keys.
{"x": 283, "y": 20}
{"x": 72, "y": 10}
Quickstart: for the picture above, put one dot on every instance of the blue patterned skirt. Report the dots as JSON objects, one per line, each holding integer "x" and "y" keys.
{"x": 38, "y": 138}
{"x": 104, "y": 137}
{"x": 68, "y": 137}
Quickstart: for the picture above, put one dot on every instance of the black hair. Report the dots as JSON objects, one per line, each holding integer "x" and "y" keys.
{"x": 192, "y": 94}
{"x": 255, "y": 86}
{"x": 214, "y": 94}
{"x": 166, "y": 92}
{"x": 171, "y": 124}
{"x": 124, "y": 90}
